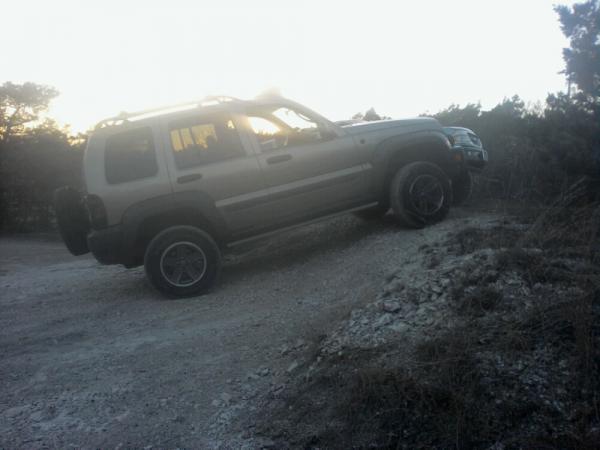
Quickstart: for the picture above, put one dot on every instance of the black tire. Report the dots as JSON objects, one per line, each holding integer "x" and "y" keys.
{"x": 372, "y": 213}
{"x": 72, "y": 219}
{"x": 462, "y": 186}
{"x": 410, "y": 205}
{"x": 182, "y": 261}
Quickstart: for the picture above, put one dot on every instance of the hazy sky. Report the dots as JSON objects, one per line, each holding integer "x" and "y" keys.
{"x": 401, "y": 57}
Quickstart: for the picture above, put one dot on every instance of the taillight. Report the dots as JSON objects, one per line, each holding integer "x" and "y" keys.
{"x": 96, "y": 211}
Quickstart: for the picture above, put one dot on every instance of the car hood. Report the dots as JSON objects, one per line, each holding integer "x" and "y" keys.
{"x": 403, "y": 125}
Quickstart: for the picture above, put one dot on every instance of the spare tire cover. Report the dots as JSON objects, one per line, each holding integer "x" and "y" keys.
{"x": 72, "y": 219}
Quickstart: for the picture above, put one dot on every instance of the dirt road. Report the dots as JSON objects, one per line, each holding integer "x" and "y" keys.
{"x": 93, "y": 357}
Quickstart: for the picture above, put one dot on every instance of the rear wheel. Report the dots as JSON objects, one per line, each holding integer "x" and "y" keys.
{"x": 182, "y": 261}
{"x": 420, "y": 194}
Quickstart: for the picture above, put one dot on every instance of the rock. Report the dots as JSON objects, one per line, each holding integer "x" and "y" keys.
{"x": 391, "y": 306}
{"x": 293, "y": 366}
{"x": 384, "y": 320}
{"x": 390, "y": 276}
{"x": 422, "y": 311}
{"x": 216, "y": 403}
{"x": 399, "y": 327}
{"x": 226, "y": 398}
{"x": 278, "y": 389}
{"x": 284, "y": 350}
{"x": 266, "y": 444}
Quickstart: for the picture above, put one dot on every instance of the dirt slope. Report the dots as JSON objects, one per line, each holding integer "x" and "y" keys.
{"x": 93, "y": 357}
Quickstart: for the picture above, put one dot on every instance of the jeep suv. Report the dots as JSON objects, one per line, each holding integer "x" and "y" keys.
{"x": 172, "y": 188}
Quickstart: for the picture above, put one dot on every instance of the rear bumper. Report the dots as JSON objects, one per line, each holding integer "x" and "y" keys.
{"x": 108, "y": 246}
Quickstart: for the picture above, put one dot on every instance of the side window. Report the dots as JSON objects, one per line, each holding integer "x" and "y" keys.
{"x": 280, "y": 127}
{"x": 203, "y": 140}
{"x": 269, "y": 135}
{"x": 130, "y": 156}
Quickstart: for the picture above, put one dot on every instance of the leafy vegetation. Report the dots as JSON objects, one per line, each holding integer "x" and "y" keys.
{"x": 36, "y": 157}
{"x": 535, "y": 152}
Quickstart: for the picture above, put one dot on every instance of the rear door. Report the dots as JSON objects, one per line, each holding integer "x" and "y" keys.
{"x": 311, "y": 168}
{"x": 205, "y": 153}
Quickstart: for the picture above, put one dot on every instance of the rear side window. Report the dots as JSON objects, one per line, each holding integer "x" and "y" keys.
{"x": 204, "y": 140}
{"x": 130, "y": 156}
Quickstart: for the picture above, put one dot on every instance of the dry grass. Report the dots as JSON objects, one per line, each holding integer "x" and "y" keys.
{"x": 478, "y": 301}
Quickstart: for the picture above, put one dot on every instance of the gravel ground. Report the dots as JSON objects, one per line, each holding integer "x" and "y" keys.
{"x": 93, "y": 357}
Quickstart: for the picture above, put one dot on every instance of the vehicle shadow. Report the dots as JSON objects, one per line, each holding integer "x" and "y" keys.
{"x": 259, "y": 258}
{"x": 301, "y": 245}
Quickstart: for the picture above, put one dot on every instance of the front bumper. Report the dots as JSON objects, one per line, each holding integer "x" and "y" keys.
{"x": 474, "y": 157}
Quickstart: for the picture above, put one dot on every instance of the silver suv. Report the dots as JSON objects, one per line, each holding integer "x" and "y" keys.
{"x": 172, "y": 188}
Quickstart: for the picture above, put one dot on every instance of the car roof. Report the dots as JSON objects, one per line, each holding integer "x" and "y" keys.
{"x": 452, "y": 129}
{"x": 211, "y": 104}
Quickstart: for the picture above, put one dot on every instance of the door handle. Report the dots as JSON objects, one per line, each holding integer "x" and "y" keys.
{"x": 278, "y": 159}
{"x": 189, "y": 178}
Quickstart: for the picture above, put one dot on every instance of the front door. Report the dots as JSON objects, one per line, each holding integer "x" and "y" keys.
{"x": 311, "y": 168}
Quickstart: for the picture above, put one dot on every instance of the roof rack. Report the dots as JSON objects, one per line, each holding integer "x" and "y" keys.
{"x": 125, "y": 117}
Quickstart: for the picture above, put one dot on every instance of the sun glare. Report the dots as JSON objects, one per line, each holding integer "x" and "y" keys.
{"x": 263, "y": 126}
{"x": 394, "y": 56}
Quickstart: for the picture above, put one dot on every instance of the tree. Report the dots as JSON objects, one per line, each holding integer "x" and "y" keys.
{"x": 371, "y": 115}
{"x": 36, "y": 157}
{"x": 581, "y": 25}
{"x": 455, "y": 115}
{"x": 21, "y": 105}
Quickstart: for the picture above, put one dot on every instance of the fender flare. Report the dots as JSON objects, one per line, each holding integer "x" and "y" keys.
{"x": 197, "y": 207}
{"x": 396, "y": 151}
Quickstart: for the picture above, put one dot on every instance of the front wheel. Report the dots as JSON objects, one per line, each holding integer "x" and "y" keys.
{"x": 182, "y": 261}
{"x": 420, "y": 194}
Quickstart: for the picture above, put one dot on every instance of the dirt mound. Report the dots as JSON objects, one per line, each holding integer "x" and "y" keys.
{"x": 489, "y": 342}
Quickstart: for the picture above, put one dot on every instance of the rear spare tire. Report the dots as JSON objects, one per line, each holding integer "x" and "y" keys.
{"x": 182, "y": 261}
{"x": 72, "y": 219}
{"x": 420, "y": 194}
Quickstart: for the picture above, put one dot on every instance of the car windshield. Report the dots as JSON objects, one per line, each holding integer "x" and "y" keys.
{"x": 280, "y": 126}
{"x": 475, "y": 139}
{"x": 294, "y": 119}
{"x": 449, "y": 130}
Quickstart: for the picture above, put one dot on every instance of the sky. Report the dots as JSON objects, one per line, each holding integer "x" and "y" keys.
{"x": 401, "y": 57}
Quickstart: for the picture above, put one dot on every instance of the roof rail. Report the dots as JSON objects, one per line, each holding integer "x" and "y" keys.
{"x": 125, "y": 117}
